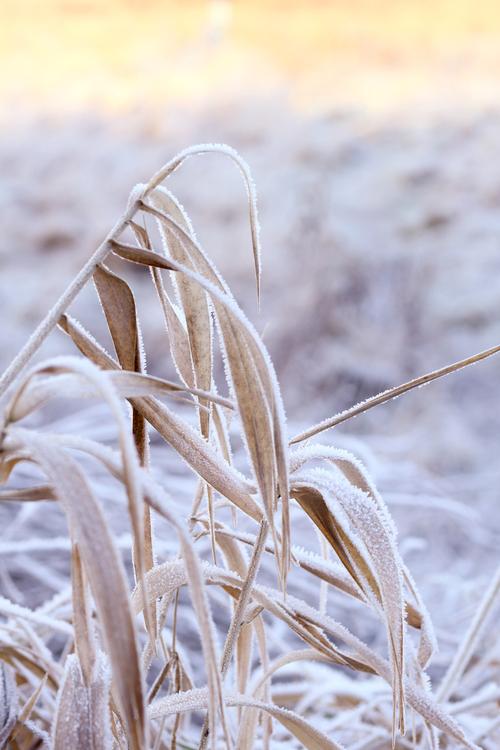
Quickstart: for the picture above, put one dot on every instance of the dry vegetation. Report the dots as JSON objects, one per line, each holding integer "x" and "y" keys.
{"x": 212, "y": 644}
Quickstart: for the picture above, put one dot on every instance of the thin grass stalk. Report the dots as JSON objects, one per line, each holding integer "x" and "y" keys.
{"x": 392, "y": 393}
{"x": 470, "y": 639}
{"x": 239, "y": 611}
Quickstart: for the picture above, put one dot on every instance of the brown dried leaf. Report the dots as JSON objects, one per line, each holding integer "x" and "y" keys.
{"x": 193, "y": 300}
{"x": 82, "y": 621}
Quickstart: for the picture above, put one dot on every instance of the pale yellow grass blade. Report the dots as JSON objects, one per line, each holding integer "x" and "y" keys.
{"x": 194, "y": 700}
{"x": 82, "y": 715}
{"x": 35, "y": 393}
{"x": 105, "y": 572}
{"x": 391, "y": 393}
{"x": 8, "y": 703}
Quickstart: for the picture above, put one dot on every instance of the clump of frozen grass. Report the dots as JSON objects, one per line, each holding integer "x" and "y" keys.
{"x": 100, "y": 665}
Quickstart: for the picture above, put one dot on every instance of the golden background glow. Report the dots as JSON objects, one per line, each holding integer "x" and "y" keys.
{"x": 369, "y": 53}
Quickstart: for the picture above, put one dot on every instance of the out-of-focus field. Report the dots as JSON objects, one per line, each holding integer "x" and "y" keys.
{"x": 373, "y": 133}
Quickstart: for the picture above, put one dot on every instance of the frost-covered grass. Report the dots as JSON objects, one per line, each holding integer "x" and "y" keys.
{"x": 263, "y": 604}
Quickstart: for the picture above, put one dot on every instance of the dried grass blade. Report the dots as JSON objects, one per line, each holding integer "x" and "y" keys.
{"x": 177, "y": 334}
{"x": 105, "y": 571}
{"x": 470, "y": 640}
{"x": 8, "y": 703}
{"x": 391, "y": 393}
{"x": 168, "y": 577}
{"x": 199, "y": 455}
{"x": 35, "y": 394}
{"x": 28, "y": 494}
{"x": 194, "y": 303}
{"x": 119, "y": 307}
{"x": 10, "y": 609}
{"x": 221, "y": 148}
{"x": 176, "y": 330}
{"x": 82, "y": 622}
{"x": 195, "y": 700}
{"x": 374, "y": 565}
{"x": 239, "y": 612}
{"x": 16, "y": 655}
{"x": 296, "y": 614}
{"x": 421, "y": 701}
{"x": 97, "y": 380}
{"x": 191, "y": 569}
{"x": 30, "y": 704}
{"x": 82, "y": 715}
{"x": 251, "y": 375}
{"x": 202, "y": 610}
{"x": 175, "y": 431}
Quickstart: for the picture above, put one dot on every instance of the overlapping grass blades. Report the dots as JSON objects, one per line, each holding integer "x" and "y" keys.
{"x": 116, "y": 683}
